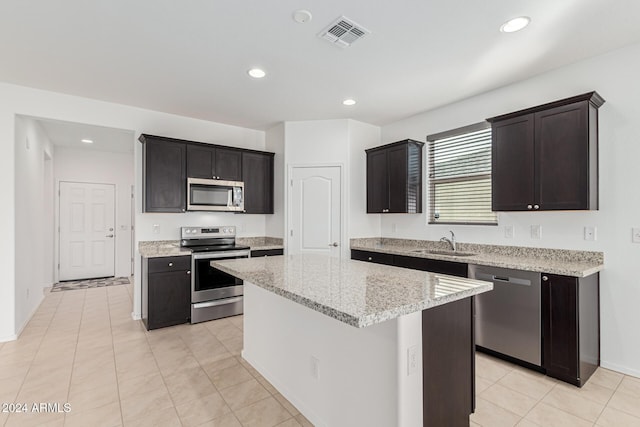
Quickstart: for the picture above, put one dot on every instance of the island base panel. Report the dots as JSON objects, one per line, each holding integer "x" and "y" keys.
{"x": 335, "y": 374}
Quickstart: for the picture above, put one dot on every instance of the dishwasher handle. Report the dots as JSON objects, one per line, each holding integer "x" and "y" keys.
{"x": 503, "y": 279}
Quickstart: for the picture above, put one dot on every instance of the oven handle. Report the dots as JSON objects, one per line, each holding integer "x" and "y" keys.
{"x": 218, "y": 255}
{"x": 217, "y": 302}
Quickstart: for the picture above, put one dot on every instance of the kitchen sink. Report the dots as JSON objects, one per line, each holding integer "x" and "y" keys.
{"x": 437, "y": 252}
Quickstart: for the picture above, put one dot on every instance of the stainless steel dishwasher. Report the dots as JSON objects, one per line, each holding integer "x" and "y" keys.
{"x": 508, "y": 319}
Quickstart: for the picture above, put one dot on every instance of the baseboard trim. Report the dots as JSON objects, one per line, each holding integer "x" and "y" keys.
{"x": 9, "y": 338}
{"x": 135, "y": 316}
{"x": 621, "y": 369}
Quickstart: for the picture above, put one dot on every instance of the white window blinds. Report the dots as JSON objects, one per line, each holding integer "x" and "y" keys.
{"x": 460, "y": 176}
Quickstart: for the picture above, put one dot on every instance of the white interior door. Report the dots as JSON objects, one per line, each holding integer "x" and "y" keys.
{"x": 316, "y": 210}
{"x": 87, "y": 223}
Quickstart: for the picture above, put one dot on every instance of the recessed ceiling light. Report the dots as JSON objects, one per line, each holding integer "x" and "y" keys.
{"x": 515, "y": 24}
{"x": 256, "y": 73}
{"x": 87, "y": 141}
{"x": 349, "y": 101}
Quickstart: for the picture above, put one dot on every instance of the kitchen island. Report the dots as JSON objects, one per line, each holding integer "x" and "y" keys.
{"x": 357, "y": 344}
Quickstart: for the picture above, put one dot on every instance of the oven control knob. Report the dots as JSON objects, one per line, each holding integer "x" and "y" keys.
{"x": 187, "y": 231}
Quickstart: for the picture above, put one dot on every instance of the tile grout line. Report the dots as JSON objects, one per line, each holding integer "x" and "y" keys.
{"x": 113, "y": 347}
{"x": 36, "y": 352}
{"x": 75, "y": 351}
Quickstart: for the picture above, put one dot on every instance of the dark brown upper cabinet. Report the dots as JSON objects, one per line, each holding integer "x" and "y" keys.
{"x": 164, "y": 174}
{"x": 394, "y": 177}
{"x": 214, "y": 162}
{"x": 546, "y": 157}
{"x": 257, "y": 174}
{"x": 167, "y": 162}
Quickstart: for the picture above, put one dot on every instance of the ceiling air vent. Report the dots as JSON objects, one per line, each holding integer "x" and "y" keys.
{"x": 343, "y": 32}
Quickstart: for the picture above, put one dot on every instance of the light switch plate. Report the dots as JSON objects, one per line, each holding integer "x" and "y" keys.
{"x": 635, "y": 235}
{"x": 156, "y": 228}
{"x": 536, "y": 232}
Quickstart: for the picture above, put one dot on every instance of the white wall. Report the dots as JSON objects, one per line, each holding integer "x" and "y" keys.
{"x": 38, "y": 103}
{"x": 361, "y": 137}
{"x": 33, "y": 223}
{"x": 274, "y": 224}
{"x": 102, "y": 167}
{"x": 337, "y": 142}
{"x": 614, "y": 76}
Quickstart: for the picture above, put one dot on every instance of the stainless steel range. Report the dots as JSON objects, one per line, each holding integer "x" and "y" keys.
{"x": 214, "y": 293}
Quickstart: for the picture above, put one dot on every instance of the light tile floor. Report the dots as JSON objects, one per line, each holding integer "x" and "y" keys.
{"x": 82, "y": 347}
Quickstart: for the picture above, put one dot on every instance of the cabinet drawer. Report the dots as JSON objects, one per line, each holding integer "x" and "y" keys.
{"x": 167, "y": 264}
{"x": 376, "y": 257}
{"x": 266, "y": 252}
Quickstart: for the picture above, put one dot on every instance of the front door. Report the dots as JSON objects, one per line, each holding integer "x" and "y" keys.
{"x": 316, "y": 210}
{"x": 87, "y": 223}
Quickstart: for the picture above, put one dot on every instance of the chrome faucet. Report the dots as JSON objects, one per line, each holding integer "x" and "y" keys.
{"x": 451, "y": 241}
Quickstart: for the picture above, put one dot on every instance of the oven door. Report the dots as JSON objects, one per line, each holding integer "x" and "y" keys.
{"x": 208, "y": 283}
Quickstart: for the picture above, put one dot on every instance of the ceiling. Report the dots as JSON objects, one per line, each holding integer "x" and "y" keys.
{"x": 68, "y": 134}
{"x": 190, "y": 57}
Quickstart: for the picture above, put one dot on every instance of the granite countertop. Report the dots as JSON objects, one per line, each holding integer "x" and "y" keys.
{"x": 553, "y": 261}
{"x": 359, "y": 294}
{"x": 165, "y": 248}
{"x": 162, "y": 248}
{"x": 261, "y": 243}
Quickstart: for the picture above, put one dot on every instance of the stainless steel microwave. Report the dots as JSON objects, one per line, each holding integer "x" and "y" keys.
{"x": 214, "y": 195}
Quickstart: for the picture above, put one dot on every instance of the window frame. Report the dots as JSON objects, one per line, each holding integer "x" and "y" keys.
{"x": 431, "y": 182}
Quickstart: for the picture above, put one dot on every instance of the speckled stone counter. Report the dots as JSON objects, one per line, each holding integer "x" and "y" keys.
{"x": 261, "y": 243}
{"x": 165, "y": 248}
{"x": 162, "y": 248}
{"x": 356, "y": 293}
{"x": 554, "y": 261}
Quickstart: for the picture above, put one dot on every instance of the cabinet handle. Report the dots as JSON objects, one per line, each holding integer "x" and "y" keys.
{"x": 385, "y": 210}
{"x": 188, "y": 271}
{"x": 529, "y": 207}
{"x": 170, "y": 264}
{"x": 545, "y": 278}
{"x": 536, "y": 206}
{"x": 369, "y": 259}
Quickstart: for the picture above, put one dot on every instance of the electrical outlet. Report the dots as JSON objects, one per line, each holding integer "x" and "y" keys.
{"x": 508, "y": 231}
{"x": 536, "y": 232}
{"x": 155, "y": 228}
{"x": 635, "y": 235}
{"x": 412, "y": 360}
{"x": 590, "y": 233}
{"x": 315, "y": 367}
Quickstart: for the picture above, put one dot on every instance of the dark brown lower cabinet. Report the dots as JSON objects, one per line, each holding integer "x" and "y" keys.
{"x": 571, "y": 327}
{"x": 375, "y": 257}
{"x": 166, "y": 291}
{"x": 448, "y": 361}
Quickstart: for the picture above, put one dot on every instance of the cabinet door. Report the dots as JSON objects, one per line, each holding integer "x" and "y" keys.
{"x": 200, "y": 161}
{"x": 397, "y": 175}
{"x": 559, "y": 317}
{"x": 377, "y": 182}
{"x": 169, "y": 298}
{"x": 562, "y": 157}
{"x": 257, "y": 174}
{"x": 228, "y": 164}
{"x": 165, "y": 178}
{"x": 512, "y": 158}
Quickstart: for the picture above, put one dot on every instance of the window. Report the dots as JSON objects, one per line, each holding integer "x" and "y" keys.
{"x": 460, "y": 176}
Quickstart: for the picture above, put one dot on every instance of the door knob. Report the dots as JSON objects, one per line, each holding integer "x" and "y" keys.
{"x": 334, "y": 244}
{"x": 109, "y": 235}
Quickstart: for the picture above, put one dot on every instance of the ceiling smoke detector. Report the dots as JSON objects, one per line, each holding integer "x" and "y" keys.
{"x": 343, "y": 32}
